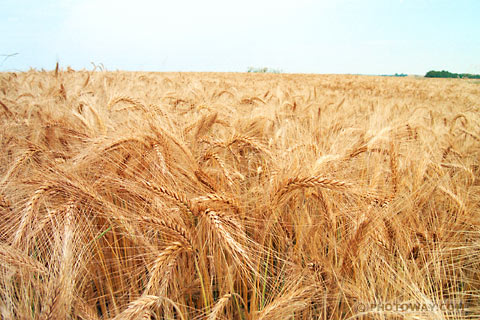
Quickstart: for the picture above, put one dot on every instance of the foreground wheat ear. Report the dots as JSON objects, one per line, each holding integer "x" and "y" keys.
{"x": 127, "y": 195}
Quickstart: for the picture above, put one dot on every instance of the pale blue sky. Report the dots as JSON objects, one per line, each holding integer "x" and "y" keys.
{"x": 326, "y": 36}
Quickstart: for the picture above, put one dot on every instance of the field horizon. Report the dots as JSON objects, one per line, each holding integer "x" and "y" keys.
{"x": 227, "y": 195}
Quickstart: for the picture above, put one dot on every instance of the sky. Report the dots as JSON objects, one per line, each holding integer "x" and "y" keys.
{"x": 302, "y": 36}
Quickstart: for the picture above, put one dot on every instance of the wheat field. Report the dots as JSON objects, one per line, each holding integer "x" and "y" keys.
{"x": 128, "y": 195}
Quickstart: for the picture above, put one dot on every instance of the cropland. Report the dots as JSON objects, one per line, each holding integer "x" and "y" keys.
{"x": 137, "y": 195}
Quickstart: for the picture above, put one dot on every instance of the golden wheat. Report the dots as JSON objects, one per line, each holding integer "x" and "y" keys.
{"x": 137, "y": 195}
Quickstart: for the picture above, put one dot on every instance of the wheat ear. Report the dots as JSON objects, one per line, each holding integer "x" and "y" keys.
{"x": 353, "y": 247}
{"x": 161, "y": 270}
{"x": 311, "y": 182}
{"x": 29, "y": 211}
{"x": 214, "y": 197}
{"x": 84, "y": 310}
{"x": 394, "y": 169}
{"x": 181, "y": 234}
{"x": 179, "y": 198}
{"x": 5, "y": 108}
{"x": 139, "y": 307}
{"x": 212, "y": 155}
{"x": 205, "y": 179}
{"x": 20, "y": 260}
{"x": 293, "y": 300}
{"x": 219, "y": 306}
{"x": 237, "y": 250}
{"x": 126, "y": 99}
{"x": 18, "y": 163}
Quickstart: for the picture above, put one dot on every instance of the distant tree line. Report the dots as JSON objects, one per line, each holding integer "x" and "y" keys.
{"x": 263, "y": 70}
{"x": 446, "y": 74}
{"x": 395, "y": 75}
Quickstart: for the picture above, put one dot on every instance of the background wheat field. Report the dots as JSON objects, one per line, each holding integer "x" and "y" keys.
{"x": 130, "y": 195}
